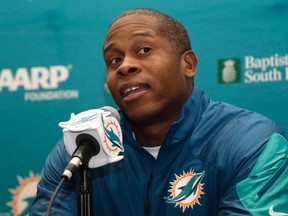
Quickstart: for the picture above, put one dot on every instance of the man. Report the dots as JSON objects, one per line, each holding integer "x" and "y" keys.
{"x": 184, "y": 153}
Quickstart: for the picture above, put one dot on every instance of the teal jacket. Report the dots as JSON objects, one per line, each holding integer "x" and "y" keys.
{"x": 217, "y": 159}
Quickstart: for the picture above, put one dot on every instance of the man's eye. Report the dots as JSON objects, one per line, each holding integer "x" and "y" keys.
{"x": 144, "y": 50}
{"x": 115, "y": 60}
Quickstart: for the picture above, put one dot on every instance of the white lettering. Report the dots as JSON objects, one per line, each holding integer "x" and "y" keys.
{"x": 249, "y": 62}
{"x": 51, "y": 95}
{"x": 269, "y": 76}
{"x": 6, "y": 78}
{"x": 39, "y": 77}
{"x": 265, "y": 62}
{"x": 268, "y": 62}
{"x": 58, "y": 74}
{"x": 21, "y": 79}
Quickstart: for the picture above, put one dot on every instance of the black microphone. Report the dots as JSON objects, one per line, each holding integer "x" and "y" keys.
{"x": 88, "y": 146}
{"x": 93, "y": 138}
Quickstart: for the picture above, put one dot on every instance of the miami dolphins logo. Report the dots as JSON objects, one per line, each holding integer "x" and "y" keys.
{"x": 82, "y": 120}
{"x": 186, "y": 190}
{"x": 24, "y": 194}
{"x": 113, "y": 136}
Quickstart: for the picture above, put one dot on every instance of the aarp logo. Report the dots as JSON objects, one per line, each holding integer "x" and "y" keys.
{"x": 34, "y": 78}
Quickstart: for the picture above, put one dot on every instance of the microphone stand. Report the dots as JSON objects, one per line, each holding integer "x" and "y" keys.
{"x": 85, "y": 204}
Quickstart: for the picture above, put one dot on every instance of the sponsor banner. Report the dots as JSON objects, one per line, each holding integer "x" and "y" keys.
{"x": 51, "y": 65}
{"x": 273, "y": 68}
{"x": 39, "y": 83}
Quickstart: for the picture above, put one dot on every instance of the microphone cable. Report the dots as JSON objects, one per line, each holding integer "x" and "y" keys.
{"x": 63, "y": 179}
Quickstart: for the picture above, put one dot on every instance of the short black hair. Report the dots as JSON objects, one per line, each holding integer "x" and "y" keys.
{"x": 169, "y": 27}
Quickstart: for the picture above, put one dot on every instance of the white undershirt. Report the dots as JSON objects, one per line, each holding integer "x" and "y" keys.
{"x": 153, "y": 150}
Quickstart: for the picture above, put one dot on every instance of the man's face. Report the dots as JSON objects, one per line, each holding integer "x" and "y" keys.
{"x": 146, "y": 77}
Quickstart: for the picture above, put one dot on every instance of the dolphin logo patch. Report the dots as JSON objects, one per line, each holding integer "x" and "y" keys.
{"x": 186, "y": 190}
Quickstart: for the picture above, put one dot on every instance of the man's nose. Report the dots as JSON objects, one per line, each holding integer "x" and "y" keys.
{"x": 128, "y": 66}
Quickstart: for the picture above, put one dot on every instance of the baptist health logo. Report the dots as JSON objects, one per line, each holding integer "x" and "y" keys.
{"x": 39, "y": 83}
{"x": 273, "y": 68}
{"x": 229, "y": 70}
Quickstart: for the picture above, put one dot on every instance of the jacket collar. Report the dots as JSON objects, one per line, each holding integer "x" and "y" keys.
{"x": 188, "y": 119}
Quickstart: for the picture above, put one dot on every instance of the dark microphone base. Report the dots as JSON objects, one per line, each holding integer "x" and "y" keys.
{"x": 85, "y": 204}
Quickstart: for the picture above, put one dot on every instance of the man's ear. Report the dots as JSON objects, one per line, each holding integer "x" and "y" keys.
{"x": 190, "y": 63}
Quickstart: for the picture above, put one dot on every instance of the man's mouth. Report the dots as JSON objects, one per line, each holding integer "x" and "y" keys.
{"x": 130, "y": 89}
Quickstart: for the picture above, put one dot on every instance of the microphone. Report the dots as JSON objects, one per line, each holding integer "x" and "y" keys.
{"x": 92, "y": 138}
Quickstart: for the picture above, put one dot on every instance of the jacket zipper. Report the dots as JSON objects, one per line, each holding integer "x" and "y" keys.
{"x": 147, "y": 203}
{"x": 273, "y": 179}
